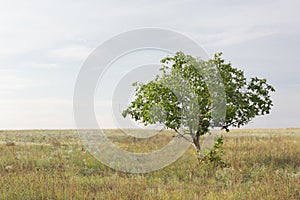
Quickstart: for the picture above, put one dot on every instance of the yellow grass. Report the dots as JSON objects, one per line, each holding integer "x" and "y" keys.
{"x": 52, "y": 164}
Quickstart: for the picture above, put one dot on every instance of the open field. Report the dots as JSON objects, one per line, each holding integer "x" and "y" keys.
{"x": 52, "y": 164}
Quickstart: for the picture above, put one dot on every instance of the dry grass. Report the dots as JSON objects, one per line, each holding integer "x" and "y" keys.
{"x": 52, "y": 164}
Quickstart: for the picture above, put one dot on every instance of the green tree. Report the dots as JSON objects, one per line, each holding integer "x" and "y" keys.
{"x": 184, "y": 96}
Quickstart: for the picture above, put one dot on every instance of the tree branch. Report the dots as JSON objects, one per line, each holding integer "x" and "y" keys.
{"x": 182, "y": 135}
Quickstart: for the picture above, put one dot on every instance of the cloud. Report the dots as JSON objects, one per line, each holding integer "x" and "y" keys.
{"x": 11, "y": 82}
{"x": 71, "y": 53}
{"x": 234, "y": 37}
{"x": 41, "y": 42}
{"x": 40, "y": 65}
{"x": 38, "y": 113}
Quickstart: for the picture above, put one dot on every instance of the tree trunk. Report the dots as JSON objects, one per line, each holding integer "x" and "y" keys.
{"x": 197, "y": 146}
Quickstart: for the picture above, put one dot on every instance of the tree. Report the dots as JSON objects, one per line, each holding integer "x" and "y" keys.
{"x": 186, "y": 94}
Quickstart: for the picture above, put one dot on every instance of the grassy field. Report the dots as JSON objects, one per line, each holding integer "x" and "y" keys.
{"x": 52, "y": 164}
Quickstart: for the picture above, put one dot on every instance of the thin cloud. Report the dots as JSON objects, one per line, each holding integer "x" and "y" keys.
{"x": 237, "y": 37}
{"x": 36, "y": 35}
{"x": 36, "y": 113}
{"x": 71, "y": 53}
{"x": 11, "y": 83}
{"x": 43, "y": 65}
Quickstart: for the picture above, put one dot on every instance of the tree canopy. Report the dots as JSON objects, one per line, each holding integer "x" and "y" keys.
{"x": 185, "y": 94}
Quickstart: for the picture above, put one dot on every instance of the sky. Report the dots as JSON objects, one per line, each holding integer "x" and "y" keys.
{"x": 43, "y": 45}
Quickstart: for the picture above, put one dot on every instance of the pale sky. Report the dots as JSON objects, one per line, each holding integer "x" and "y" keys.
{"x": 43, "y": 45}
